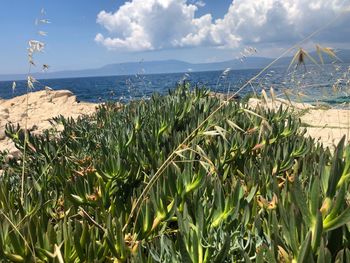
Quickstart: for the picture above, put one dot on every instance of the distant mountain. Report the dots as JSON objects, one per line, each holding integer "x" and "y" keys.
{"x": 171, "y": 66}
{"x": 146, "y": 67}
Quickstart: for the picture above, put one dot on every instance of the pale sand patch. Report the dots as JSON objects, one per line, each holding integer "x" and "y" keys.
{"x": 338, "y": 118}
{"x": 42, "y": 107}
{"x": 329, "y": 137}
{"x": 327, "y": 126}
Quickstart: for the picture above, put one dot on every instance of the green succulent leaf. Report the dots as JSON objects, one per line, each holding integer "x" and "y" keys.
{"x": 305, "y": 249}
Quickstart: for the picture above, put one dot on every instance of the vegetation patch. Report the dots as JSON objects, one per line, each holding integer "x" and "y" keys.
{"x": 247, "y": 186}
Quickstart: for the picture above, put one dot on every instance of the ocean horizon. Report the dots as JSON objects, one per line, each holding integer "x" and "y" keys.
{"x": 310, "y": 84}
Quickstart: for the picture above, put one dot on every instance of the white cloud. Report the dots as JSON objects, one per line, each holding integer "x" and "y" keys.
{"x": 154, "y": 24}
{"x": 161, "y": 24}
{"x": 200, "y": 3}
{"x": 271, "y": 21}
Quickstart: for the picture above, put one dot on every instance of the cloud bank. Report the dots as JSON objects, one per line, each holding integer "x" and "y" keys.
{"x": 141, "y": 25}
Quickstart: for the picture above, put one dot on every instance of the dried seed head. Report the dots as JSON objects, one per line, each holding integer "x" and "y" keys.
{"x": 44, "y": 21}
{"x": 30, "y": 82}
{"x": 45, "y": 67}
{"x": 47, "y": 88}
{"x": 42, "y": 33}
{"x": 225, "y": 72}
{"x": 262, "y": 202}
{"x": 14, "y": 86}
{"x": 273, "y": 204}
{"x": 36, "y": 46}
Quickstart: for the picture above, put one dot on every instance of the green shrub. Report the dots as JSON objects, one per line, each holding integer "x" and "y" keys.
{"x": 248, "y": 187}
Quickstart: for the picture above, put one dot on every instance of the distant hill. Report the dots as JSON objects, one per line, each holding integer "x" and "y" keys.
{"x": 171, "y": 66}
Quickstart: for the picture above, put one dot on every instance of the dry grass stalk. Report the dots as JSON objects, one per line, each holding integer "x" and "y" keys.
{"x": 191, "y": 136}
{"x": 34, "y": 46}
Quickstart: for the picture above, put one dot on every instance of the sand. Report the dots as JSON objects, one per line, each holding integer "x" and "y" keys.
{"x": 325, "y": 125}
{"x": 42, "y": 107}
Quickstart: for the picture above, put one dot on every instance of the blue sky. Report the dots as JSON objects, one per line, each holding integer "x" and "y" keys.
{"x": 90, "y": 33}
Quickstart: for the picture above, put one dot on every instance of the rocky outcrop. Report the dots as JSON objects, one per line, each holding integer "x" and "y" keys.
{"x": 41, "y": 107}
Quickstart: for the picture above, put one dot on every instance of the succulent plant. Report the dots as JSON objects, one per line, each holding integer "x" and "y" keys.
{"x": 248, "y": 186}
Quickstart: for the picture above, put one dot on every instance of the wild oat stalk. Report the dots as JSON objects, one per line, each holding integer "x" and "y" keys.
{"x": 192, "y": 135}
{"x": 34, "y": 46}
{"x": 300, "y": 57}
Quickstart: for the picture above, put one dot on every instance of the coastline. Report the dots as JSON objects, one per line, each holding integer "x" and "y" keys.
{"x": 42, "y": 107}
{"x": 326, "y": 126}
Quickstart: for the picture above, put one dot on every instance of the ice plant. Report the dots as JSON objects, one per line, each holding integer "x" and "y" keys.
{"x": 232, "y": 194}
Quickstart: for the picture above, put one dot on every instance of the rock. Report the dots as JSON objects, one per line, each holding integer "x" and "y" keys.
{"x": 4, "y": 113}
{"x": 2, "y": 135}
{"x": 43, "y": 106}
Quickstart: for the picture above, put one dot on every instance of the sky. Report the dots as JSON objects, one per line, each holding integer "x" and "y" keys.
{"x": 91, "y": 33}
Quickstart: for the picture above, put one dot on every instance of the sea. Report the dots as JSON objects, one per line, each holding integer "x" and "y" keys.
{"x": 327, "y": 84}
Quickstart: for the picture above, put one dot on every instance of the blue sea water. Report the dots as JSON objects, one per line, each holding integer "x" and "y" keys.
{"x": 326, "y": 83}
